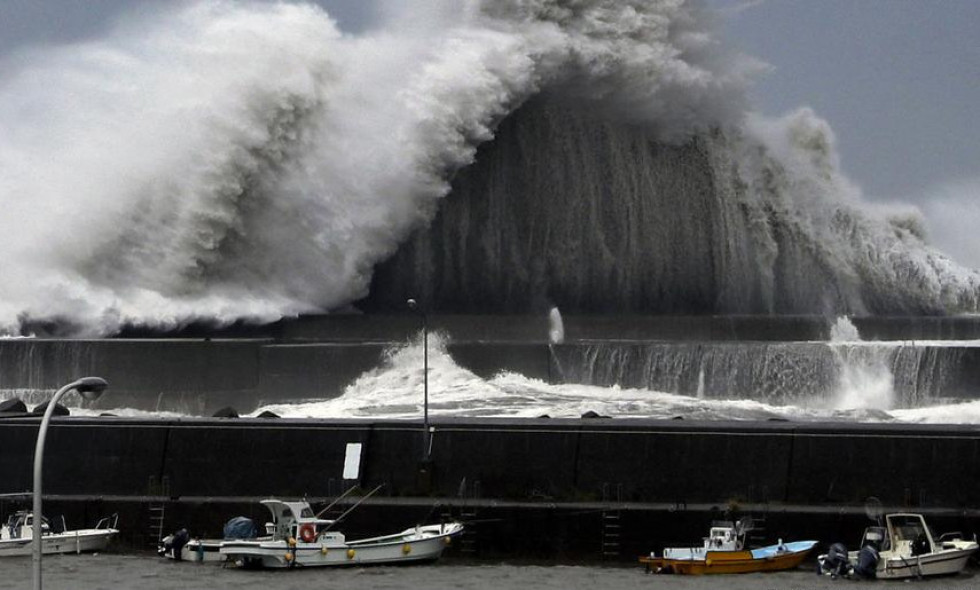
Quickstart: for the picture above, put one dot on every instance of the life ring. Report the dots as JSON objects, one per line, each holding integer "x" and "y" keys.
{"x": 307, "y": 533}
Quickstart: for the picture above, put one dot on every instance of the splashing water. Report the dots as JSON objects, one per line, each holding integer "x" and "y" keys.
{"x": 556, "y": 328}
{"x": 866, "y": 379}
{"x": 222, "y": 161}
{"x": 844, "y": 330}
{"x": 227, "y": 161}
{"x": 395, "y": 390}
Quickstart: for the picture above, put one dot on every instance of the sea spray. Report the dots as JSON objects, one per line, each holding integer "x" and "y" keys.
{"x": 865, "y": 379}
{"x": 221, "y": 161}
{"x": 556, "y": 328}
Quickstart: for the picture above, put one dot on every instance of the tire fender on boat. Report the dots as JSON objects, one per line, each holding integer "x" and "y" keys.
{"x": 307, "y": 533}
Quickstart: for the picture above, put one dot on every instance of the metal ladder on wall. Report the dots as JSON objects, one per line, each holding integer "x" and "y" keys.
{"x": 756, "y": 536}
{"x": 157, "y": 510}
{"x": 611, "y": 534}
{"x": 611, "y": 522}
{"x": 157, "y": 513}
{"x": 468, "y": 540}
{"x": 467, "y": 543}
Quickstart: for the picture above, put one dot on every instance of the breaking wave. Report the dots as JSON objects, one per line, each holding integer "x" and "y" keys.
{"x": 396, "y": 390}
{"x": 221, "y": 161}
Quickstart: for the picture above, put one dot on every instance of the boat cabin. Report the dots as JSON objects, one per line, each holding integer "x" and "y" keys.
{"x": 723, "y": 538}
{"x": 298, "y": 521}
{"x": 903, "y": 534}
{"x": 20, "y": 525}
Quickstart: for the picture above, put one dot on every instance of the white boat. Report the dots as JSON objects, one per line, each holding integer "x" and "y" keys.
{"x": 907, "y": 548}
{"x": 181, "y": 547}
{"x": 17, "y": 536}
{"x": 190, "y": 549}
{"x": 297, "y": 538}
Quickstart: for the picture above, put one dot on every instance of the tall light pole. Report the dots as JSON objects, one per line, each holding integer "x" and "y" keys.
{"x": 413, "y": 305}
{"x": 89, "y": 388}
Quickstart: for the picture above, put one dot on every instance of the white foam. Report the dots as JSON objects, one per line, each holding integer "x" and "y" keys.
{"x": 395, "y": 390}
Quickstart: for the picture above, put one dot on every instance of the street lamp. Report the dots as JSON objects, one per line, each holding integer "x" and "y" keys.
{"x": 89, "y": 388}
{"x": 413, "y": 305}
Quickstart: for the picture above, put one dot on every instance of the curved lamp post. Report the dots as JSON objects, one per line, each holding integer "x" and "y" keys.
{"x": 89, "y": 388}
{"x": 413, "y": 305}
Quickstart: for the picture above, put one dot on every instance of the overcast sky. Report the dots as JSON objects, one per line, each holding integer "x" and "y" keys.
{"x": 899, "y": 80}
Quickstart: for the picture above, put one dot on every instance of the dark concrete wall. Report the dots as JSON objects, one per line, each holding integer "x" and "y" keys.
{"x": 528, "y": 460}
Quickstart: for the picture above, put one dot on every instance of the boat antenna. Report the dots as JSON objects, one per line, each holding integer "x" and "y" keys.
{"x": 337, "y": 499}
{"x": 351, "y": 509}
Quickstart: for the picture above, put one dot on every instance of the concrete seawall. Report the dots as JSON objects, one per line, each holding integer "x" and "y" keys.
{"x": 650, "y": 461}
{"x": 197, "y": 377}
{"x": 540, "y": 479}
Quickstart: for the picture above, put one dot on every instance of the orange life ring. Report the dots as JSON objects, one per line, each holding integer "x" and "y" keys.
{"x": 308, "y": 533}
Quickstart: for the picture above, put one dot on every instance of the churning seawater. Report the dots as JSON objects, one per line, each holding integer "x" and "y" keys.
{"x": 108, "y": 571}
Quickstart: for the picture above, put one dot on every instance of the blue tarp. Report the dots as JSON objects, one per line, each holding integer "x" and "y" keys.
{"x": 240, "y": 527}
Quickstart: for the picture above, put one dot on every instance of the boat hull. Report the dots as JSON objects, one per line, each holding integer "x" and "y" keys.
{"x": 411, "y": 546}
{"x": 199, "y": 550}
{"x": 940, "y": 563}
{"x": 767, "y": 559}
{"x": 81, "y": 541}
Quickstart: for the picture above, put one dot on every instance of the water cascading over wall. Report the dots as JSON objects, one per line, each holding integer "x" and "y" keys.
{"x": 587, "y": 212}
{"x": 798, "y": 373}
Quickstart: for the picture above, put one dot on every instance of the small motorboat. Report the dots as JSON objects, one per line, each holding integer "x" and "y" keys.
{"x": 723, "y": 552}
{"x": 17, "y": 535}
{"x": 180, "y": 546}
{"x": 296, "y": 537}
{"x": 905, "y": 547}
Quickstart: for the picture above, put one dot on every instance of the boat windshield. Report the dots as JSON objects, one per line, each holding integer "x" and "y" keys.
{"x": 907, "y": 528}
{"x": 307, "y": 512}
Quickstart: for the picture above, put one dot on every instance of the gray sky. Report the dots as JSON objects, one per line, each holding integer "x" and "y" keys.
{"x": 898, "y": 80}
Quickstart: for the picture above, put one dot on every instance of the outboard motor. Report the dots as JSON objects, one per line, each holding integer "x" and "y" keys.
{"x": 835, "y": 563}
{"x": 867, "y": 565}
{"x": 173, "y": 544}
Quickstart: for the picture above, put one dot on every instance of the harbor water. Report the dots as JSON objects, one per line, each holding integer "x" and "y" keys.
{"x": 107, "y": 571}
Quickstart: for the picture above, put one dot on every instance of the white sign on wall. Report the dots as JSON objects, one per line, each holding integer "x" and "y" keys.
{"x": 352, "y": 461}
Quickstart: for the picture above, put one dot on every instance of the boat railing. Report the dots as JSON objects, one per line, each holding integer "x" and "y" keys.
{"x": 109, "y": 522}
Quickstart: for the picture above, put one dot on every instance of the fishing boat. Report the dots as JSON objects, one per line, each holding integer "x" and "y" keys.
{"x": 17, "y": 535}
{"x": 299, "y": 538}
{"x": 907, "y": 548}
{"x": 723, "y": 552}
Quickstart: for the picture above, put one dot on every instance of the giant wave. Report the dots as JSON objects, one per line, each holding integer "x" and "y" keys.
{"x": 224, "y": 160}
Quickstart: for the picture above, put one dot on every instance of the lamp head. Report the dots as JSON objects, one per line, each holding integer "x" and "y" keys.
{"x": 91, "y": 388}
{"x": 412, "y": 304}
